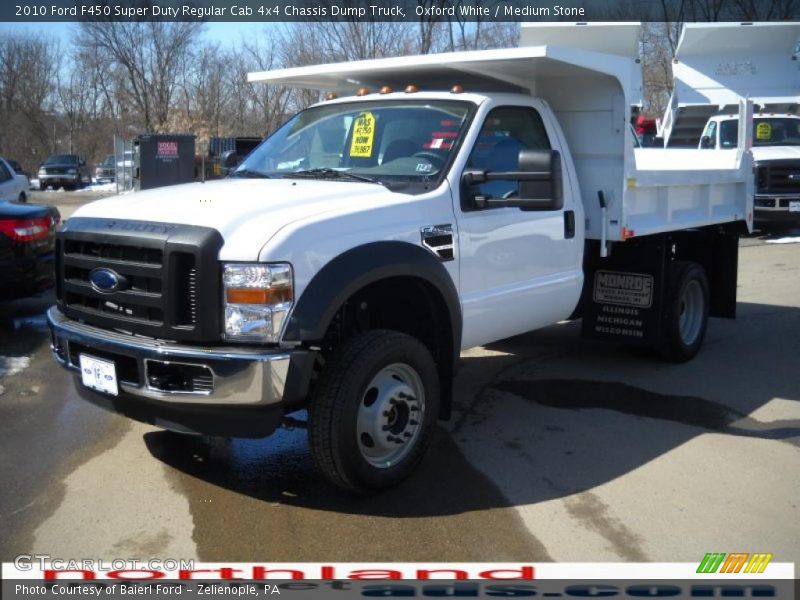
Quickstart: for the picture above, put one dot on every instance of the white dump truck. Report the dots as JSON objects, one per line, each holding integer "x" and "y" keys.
{"x": 439, "y": 202}
{"x": 716, "y": 66}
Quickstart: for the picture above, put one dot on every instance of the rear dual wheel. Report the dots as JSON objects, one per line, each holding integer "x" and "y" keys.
{"x": 374, "y": 410}
{"x": 687, "y": 311}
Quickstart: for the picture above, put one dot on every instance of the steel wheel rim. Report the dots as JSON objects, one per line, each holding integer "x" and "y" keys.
{"x": 391, "y": 411}
{"x": 691, "y": 312}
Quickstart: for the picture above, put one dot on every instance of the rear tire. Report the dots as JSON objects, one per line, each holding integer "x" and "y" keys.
{"x": 687, "y": 311}
{"x": 373, "y": 412}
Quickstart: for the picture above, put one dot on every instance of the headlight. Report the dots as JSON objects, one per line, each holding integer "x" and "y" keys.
{"x": 257, "y": 299}
{"x": 71, "y": 171}
{"x": 42, "y": 171}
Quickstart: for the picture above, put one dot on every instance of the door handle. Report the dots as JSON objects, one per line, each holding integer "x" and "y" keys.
{"x": 569, "y": 224}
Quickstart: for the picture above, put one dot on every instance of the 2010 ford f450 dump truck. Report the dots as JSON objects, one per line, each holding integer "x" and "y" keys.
{"x": 456, "y": 200}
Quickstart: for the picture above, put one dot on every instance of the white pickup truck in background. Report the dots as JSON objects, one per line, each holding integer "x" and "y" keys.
{"x": 716, "y": 66}
{"x": 776, "y": 156}
{"x": 443, "y": 202}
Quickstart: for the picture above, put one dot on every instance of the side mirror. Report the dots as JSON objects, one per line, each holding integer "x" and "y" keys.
{"x": 230, "y": 160}
{"x": 706, "y": 142}
{"x": 539, "y": 182}
{"x": 540, "y": 185}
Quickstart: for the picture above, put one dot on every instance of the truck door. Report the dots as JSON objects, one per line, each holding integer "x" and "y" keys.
{"x": 519, "y": 270}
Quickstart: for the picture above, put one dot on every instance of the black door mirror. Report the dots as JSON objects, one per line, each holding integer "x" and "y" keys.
{"x": 539, "y": 183}
{"x": 706, "y": 142}
{"x": 230, "y": 160}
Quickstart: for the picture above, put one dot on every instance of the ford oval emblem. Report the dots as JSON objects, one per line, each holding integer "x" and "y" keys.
{"x": 106, "y": 281}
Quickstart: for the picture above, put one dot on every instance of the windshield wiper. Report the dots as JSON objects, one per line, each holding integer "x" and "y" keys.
{"x": 328, "y": 173}
{"x": 249, "y": 173}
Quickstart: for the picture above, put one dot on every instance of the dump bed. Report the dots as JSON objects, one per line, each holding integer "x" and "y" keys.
{"x": 717, "y": 64}
{"x": 590, "y": 93}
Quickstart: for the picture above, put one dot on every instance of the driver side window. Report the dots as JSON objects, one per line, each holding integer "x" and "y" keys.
{"x": 506, "y": 131}
{"x": 4, "y": 173}
{"x": 710, "y": 135}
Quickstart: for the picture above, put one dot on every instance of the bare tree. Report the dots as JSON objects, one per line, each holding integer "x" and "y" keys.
{"x": 151, "y": 55}
{"x": 28, "y": 68}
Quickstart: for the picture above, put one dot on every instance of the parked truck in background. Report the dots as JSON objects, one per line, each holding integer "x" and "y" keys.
{"x": 776, "y": 156}
{"x": 454, "y": 200}
{"x": 716, "y": 66}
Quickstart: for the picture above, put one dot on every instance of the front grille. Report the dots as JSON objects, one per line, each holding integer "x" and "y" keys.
{"x": 169, "y": 274}
{"x": 55, "y": 170}
{"x": 780, "y": 177}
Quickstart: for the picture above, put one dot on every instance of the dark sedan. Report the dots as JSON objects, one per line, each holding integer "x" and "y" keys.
{"x": 27, "y": 243}
{"x": 64, "y": 170}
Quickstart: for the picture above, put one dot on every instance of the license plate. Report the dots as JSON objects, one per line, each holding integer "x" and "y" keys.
{"x": 100, "y": 375}
{"x": 794, "y": 206}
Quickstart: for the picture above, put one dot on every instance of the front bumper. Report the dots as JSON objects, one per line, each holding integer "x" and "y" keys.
{"x": 245, "y": 392}
{"x": 776, "y": 207}
{"x": 60, "y": 179}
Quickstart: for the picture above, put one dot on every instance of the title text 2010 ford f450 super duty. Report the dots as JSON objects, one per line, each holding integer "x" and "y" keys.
{"x": 461, "y": 199}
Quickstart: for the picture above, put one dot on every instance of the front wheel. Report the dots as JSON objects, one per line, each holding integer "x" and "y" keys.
{"x": 374, "y": 410}
{"x": 687, "y": 311}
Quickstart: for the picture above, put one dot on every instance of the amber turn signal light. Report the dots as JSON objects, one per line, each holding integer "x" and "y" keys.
{"x": 259, "y": 295}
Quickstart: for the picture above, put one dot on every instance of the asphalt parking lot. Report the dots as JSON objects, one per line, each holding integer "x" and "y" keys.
{"x": 559, "y": 449}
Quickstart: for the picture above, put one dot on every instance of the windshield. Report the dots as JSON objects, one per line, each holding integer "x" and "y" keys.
{"x": 60, "y": 159}
{"x": 385, "y": 141}
{"x": 772, "y": 131}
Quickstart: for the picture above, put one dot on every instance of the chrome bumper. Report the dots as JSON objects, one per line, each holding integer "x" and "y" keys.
{"x": 778, "y": 203}
{"x": 239, "y": 376}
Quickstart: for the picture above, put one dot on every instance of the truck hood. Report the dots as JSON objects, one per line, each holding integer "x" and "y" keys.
{"x": 775, "y": 152}
{"x": 247, "y": 212}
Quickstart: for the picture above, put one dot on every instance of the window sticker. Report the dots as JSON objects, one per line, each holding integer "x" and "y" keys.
{"x": 437, "y": 143}
{"x": 363, "y": 135}
{"x": 764, "y": 131}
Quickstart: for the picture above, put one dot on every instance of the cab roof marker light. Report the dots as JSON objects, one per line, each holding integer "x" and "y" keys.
{"x": 411, "y": 89}
{"x": 386, "y": 89}
{"x": 363, "y": 91}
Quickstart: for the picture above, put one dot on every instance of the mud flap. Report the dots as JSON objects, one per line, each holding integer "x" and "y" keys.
{"x": 624, "y": 293}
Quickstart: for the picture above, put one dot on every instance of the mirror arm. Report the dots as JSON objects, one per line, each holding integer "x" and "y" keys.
{"x": 518, "y": 176}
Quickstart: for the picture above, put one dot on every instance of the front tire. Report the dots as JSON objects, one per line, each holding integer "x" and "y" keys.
{"x": 23, "y": 197}
{"x": 373, "y": 412}
{"x": 687, "y": 311}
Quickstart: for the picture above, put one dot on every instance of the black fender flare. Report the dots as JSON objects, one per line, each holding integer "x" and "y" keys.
{"x": 358, "y": 267}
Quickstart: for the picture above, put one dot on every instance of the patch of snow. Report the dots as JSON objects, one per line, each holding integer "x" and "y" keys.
{"x": 11, "y": 365}
{"x": 34, "y": 184}
{"x": 785, "y": 240}
{"x": 101, "y": 187}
